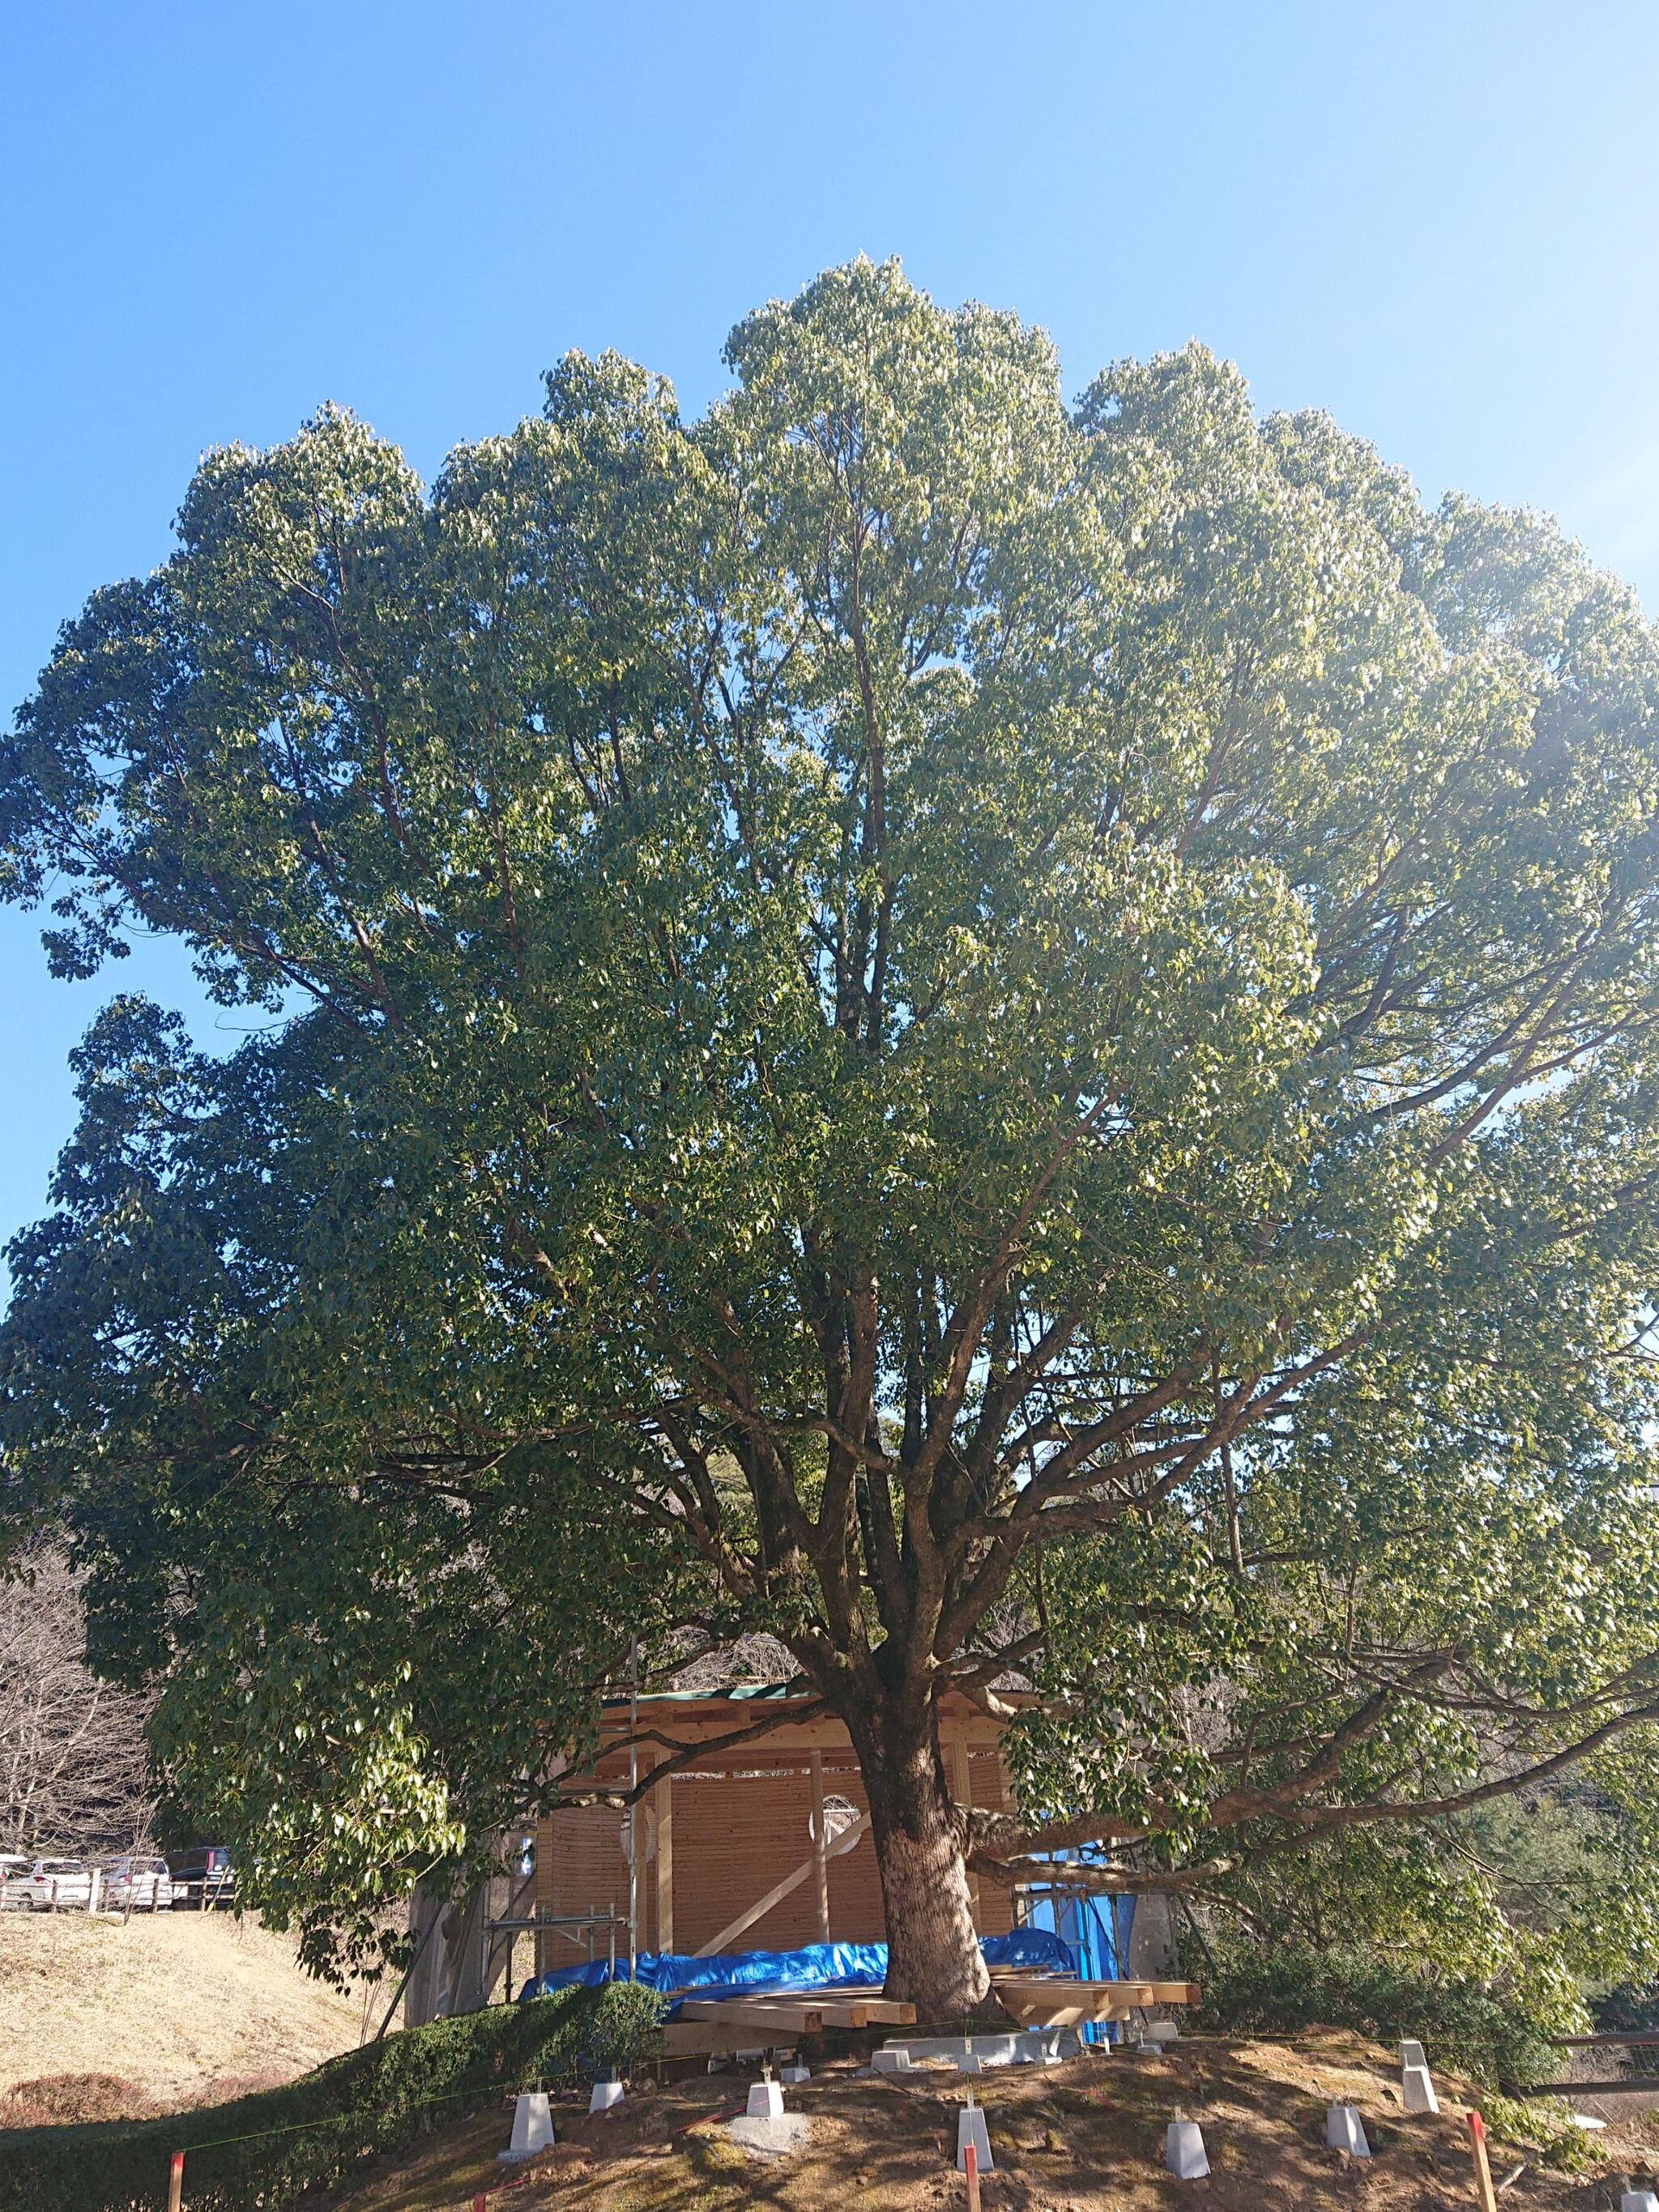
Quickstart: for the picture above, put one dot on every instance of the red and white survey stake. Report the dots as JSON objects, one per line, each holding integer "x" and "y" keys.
{"x": 1484, "y": 2193}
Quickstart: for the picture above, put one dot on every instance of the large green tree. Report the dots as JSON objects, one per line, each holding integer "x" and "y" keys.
{"x": 1018, "y": 1046}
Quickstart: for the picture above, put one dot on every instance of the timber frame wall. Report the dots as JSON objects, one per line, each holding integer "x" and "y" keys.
{"x": 736, "y": 1828}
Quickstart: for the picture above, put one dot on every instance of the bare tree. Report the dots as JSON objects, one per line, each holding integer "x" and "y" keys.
{"x": 74, "y": 1766}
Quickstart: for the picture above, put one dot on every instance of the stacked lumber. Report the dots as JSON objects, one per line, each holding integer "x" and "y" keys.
{"x": 1056, "y": 2000}
{"x": 769, "y": 2017}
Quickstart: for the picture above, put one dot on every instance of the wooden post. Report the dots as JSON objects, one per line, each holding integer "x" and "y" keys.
{"x": 970, "y": 2173}
{"x": 961, "y": 1788}
{"x": 662, "y": 1798}
{"x": 176, "y": 2181}
{"x": 1483, "y": 2189}
{"x": 820, "y": 1847}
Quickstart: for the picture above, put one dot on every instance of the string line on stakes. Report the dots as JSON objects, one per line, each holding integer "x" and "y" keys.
{"x": 334, "y": 2119}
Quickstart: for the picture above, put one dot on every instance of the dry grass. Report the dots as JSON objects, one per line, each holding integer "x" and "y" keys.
{"x": 1084, "y": 2137}
{"x": 178, "y": 2006}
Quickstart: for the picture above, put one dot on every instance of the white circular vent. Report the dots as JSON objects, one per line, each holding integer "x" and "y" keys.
{"x": 648, "y": 1839}
{"x": 839, "y": 1815}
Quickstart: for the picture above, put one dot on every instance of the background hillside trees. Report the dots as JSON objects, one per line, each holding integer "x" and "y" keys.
{"x": 74, "y": 1766}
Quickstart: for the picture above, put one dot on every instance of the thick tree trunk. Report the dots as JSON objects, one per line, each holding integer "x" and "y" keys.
{"x": 933, "y": 1958}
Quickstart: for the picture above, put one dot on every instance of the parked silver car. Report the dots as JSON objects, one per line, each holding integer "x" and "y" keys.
{"x": 57, "y": 1886}
{"x": 137, "y": 1882}
{"x": 13, "y": 1866}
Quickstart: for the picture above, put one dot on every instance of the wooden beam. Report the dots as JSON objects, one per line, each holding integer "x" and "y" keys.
{"x": 692, "y": 2038}
{"x": 793, "y": 1738}
{"x": 1061, "y": 2003}
{"x": 780, "y": 1890}
{"x": 820, "y": 1846}
{"x": 662, "y": 1798}
{"x": 774, "y": 2017}
{"x": 1149, "y": 1992}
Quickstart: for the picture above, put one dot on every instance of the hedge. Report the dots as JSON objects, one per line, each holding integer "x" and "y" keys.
{"x": 263, "y": 2151}
{"x": 1283, "y": 1988}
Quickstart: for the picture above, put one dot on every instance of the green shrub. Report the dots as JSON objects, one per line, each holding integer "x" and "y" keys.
{"x": 266, "y": 2150}
{"x": 1283, "y": 1988}
{"x": 1546, "y": 2126}
{"x": 619, "y": 2033}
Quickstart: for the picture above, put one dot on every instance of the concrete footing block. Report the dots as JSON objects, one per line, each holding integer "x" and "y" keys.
{"x": 969, "y": 2061}
{"x": 765, "y": 2100}
{"x": 1345, "y": 2131}
{"x": 532, "y": 2128}
{"x": 1639, "y": 2200}
{"x": 1416, "y": 2084}
{"x": 1418, "y": 2087}
{"x": 605, "y": 2094}
{"x": 1160, "y": 2032}
{"x": 1411, "y": 2052}
{"x": 1183, "y": 2150}
{"x": 892, "y": 2058}
{"x": 970, "y": 2129}
{"x": 792, "y": 2075}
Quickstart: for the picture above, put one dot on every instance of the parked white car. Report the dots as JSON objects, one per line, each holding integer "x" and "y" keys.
{"x": 13, "y": 1866}
{"x": 137, "y": 1882}
{"x": 56, "y": 1885}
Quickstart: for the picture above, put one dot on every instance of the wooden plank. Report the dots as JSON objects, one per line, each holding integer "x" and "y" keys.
{"x": 843, "y": 2012}
{"x": 741, "y": 2003}
{"x": 780, "y": 1890}
{"x": 693, "y": 2038}
{"x": 1057, "y": 2014}
{"x": 662, "y": 1796}
{"x": 1129, "y": 1991}
{"x": 773, "y": 2016}
{"x": 1485, "y": 2195}
{"x": 1067, "y": 2004}
{"x": 840, "y": 2007}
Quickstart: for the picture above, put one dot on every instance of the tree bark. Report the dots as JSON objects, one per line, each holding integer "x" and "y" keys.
{"x": 933, "y": 1958}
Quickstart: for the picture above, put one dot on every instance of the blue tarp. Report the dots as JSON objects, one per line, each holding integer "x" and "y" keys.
{"x": 815, "y": 1966}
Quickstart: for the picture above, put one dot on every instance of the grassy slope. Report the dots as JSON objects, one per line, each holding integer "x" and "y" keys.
{"x": 171, "y": 2001}
{"x": 1085, "y": 2138}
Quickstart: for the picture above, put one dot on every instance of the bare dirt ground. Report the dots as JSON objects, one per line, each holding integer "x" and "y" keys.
{"x": 1085, "y": 2137}
{"x": 175, "y": 2002}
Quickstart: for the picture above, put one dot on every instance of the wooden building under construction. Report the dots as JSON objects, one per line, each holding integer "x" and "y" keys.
{"x": 757, "y": 1840}
{"x": 758, "y": 1845}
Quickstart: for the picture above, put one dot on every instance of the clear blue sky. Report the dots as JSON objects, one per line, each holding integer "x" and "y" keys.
{"x": 1441, "y": 222}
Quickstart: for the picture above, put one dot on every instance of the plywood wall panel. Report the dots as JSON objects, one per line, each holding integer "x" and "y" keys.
{"x": 742, "y": 1822}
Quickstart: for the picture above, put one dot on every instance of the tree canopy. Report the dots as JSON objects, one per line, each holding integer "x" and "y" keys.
{"x": 1015, "y": 1044}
